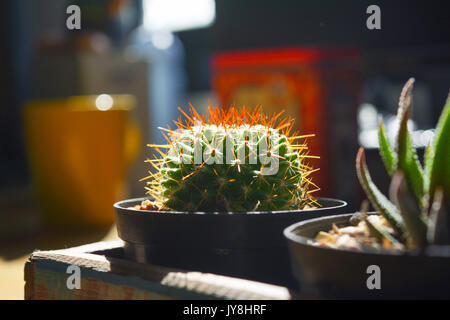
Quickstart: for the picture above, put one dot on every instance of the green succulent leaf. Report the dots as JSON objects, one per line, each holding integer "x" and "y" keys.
{"x": 381, "y": 234}
{"x": 428, "y": 159}
{"x": 382, "y": 204}
{"x": 387, "y": 153}
{"x": 408, "y": 161}
{"x": 410, "y": 210}
{"x": 437, "y": 165}
{"x": 438, "y": 233}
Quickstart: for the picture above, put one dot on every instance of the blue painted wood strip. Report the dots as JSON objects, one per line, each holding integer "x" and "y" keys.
{"x": 116, "y": 279}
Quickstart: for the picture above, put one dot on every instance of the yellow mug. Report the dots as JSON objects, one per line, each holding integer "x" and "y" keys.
{"x": 79, "y": 150}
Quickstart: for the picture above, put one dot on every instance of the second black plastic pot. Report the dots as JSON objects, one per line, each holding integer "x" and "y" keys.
{"x": 241, "y": 244}
{"x": 344, "y": 273}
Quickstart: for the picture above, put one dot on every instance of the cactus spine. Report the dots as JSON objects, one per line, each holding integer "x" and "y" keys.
{"x": 231, "y": 160}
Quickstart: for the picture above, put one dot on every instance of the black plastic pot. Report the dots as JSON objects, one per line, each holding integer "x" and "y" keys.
{"x": 340, "y": 273}
{"x": 248, "y": 245}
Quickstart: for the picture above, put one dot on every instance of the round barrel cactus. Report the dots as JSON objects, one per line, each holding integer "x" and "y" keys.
{"x": 231, "y": 160}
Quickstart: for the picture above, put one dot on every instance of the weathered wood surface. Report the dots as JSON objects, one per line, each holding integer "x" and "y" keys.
{"x": 104, "y": 275}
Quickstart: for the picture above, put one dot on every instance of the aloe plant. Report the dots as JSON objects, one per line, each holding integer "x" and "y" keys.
{"x": 419, "y": 205}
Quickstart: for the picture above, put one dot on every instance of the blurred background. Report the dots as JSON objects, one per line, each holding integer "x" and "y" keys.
{"x": 79, "y": 106}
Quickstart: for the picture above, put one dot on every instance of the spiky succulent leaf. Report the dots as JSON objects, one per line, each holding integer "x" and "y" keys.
{"x": 387, "y": 153}
{"x": 437, "y": 165}
{"x": 422, "y": 195}
{"x": 428, "y": 158}
{"x": 381, "y": 234}
{"x": 410, "y": 210}
{"x": 386, "y": 208}
{"x": 408, "y": 161}
{"x": 438, "y": 232}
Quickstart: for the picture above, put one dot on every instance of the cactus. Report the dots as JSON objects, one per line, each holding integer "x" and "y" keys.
{"x": 418, "y": 210}
{"x": 231, "y": 160}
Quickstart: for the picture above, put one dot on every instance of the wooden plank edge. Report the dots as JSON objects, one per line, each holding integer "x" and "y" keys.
{"x": 29, "y": 276}
{"x": 207, "y": 284}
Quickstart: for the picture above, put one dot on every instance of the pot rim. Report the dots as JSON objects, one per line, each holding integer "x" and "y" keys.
{"x": 438, "y": 251}
{"x": 120, "y": 205}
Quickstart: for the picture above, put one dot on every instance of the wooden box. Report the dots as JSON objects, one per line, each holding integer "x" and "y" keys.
{"x": 105, "y": 274}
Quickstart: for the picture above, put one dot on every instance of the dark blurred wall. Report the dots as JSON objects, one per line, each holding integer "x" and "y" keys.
{"x": 421, "y": 25}
{"x": 15, "y": 54}
{"x": 266, "y": 23}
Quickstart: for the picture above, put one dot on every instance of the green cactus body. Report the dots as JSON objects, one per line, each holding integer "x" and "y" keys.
{"x": 231, "y": 165}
